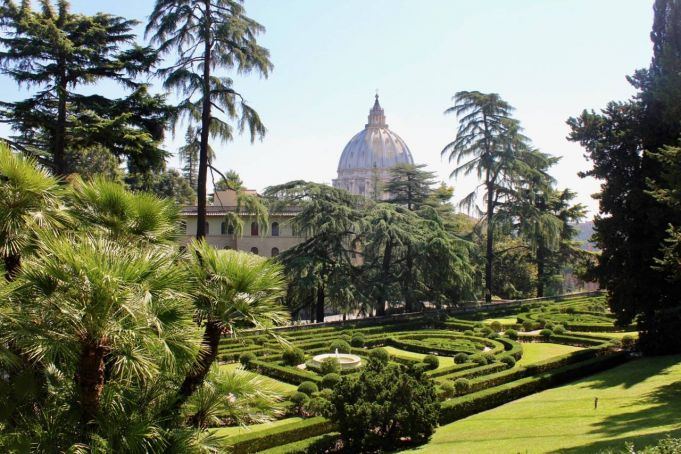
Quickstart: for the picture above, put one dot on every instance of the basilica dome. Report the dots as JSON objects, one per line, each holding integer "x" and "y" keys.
{"x": 365, "y": 162}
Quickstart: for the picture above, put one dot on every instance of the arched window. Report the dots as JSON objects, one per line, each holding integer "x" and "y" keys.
{"x": 275, "y": 251}
{"x": 207, "y": 228}
{"x": 275, "y": 229}
{"x": 254, "y": 250}
{"x": 254, "y": 229}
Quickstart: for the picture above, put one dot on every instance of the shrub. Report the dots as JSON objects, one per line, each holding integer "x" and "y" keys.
{"x": 329, "y": 366}
{"x": 431, "y": 361}
{"x": 246, "y": 358}
{"x": 550, "y": 326}
{"x": 546, "y": 333}
{"x": 346, "y": 337}
{"x": 496, "y": 326}
{"x": 360, "y": 414}
{"x": 479, "y": 325}
{"x": 330, "y": 380}
{"x": 570, "y": 310}
{"x": 325, "y": 394}
{"x": 461, "y": 386}
{"x": 478, "y": 359}
{"x": 460, "y": 358}
{"x": 511, "y": 334}
{"x": 615, "y": 343}
{"x": 492, "y": 335}
{"x": 489, "y": 357}
{"x": 628, "y": 342}
{"x": 293, "y": 356}
{"x": 357, "y": 340}
{"x": 542, "y": 322}
{"x": 318, "y": 406}
{"x": 486, "y": 331}
{"x": 299, "y": 400}
{"x": 508, "y": 360}
{"x": 469, "y": 332}
{"x": 256, "y": 441}
{"x": 341, "y": 345}
{"x": 380, "y": 354}
{"x": 528, "y": 325}
{"x": 308, "y": 388}
{"x": 419, "y": 368}
{"x": 447, "y": 390}
{"x": 559, "y": 329}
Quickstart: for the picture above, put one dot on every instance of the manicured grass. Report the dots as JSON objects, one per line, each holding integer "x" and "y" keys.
{"x": 445, "y": 361}
{"x": 539, "y": 351}
{"x": 280, "y": 386}
{"x": 639, "y": 402}
{"x": 238, "y": 430}
{"x": 503, "y": 321}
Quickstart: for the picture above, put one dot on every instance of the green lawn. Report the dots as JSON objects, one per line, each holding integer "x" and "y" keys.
{"x": 237, "y": 430}
{"x": 633, "y": 334}
{"x": 639, "y": 401}
{"x": 445, "y": 361}
{"x": 539, "y": 351}
{"x": 284, "y": 388}
{"x": 503, "y": 321}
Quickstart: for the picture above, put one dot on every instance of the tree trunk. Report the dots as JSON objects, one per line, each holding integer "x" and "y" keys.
{"x": 205, "y": 127}
{"x": 12, "y": 264}
{"x": 194, "y": 379}
{"x": 540, "y": 270}
{"x": 387, "y": 257}
{"x": 90, "y": 379}
{"x": 59, "y": 147}
{"x": 490, "y": 242}
{"x": 408, "y": 281}
{"x": 320, "y": 304}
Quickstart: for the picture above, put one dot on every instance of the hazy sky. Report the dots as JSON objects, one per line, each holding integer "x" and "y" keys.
{"x": 549, "y": 58}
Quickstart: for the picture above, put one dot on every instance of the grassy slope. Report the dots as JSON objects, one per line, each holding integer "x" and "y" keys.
{"x": 539, "y": 351}
{"x": 280, "y": 386}
{"x": 237, "y": 430}
{"x": 445, "y": 361}
{"x": 639, "y": 401}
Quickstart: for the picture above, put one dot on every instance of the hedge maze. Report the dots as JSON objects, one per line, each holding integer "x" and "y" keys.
{"x": 471, "y": 359}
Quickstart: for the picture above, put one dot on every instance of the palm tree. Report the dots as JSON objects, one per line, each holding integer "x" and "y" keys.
{"x": 207, "y": 35}
{"x": 486, "y": 143}
{"x": 233, "y": 291}
{"x": 109, "y": 314}
{"x": 30, "y": 200}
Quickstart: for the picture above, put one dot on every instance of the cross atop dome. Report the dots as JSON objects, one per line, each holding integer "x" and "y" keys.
{"x": 376, "y": 116}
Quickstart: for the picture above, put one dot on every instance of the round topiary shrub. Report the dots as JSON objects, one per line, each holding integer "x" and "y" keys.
{"x": 330, "y": 380}
{"x": 528, "y": 325}
{"x": 542, "y": 322}
{"x": 508, "y": 360}
{"x": 628, "y": 342}
{"x": 447, "y": 390}
{"x": 461, "y": 386}
{"x": 496, "y": 326}
{"x": 492, "y": 335}
{"x": 346, "y": 337}
{"x": 546, "y": 333}
{"x": 431, "y": 361}
{"x": 419, "y": 368}
{"x": 549, "y": 325}
{"x": 357, "y": 340}
{"x": 329, "y": 366}
{"x": 299, "y": 400}
{"x": 339, "y": 344}
{"x": 478, "y": 359}
{"x": 485, "y": 331}
{"x": 308, "y": 388}
{"x": 293, "y": 356}
{"x": 246, "y": 358}
{"x": 380, "y": 354}
{"x": 489, "y": 357}
{"x": 317, "y": 406}
{"x": 559, "y": 329}
{"x": 479, "y": 325}
{"x": 460, "y": 358}
{"x": 326, "y": 394}
{"x": 511, "y": 334}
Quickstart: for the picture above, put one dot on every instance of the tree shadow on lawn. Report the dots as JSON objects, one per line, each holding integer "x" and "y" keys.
{"x": 617, "y": 444}
{"x": 634, "y": 372}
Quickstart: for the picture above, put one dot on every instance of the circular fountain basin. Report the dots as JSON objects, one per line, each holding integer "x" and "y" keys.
{"x": 346, "y": 360}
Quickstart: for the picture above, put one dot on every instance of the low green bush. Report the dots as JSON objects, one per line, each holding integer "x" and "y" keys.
{"x": 558, "y": 329}
{"x": 308, "y": 388}
{"x": 246, "y": 358}
{"x": 380, "y": 354}
{"x": 460, "y": 358}
{"x": 431, "y": 361}
{"x": 329, "y": 366}
{"x": 357, "y": 340}
{"x": 496, "y": 326}
{"x": 628, "y": 342}
{"x": 461, "y": 386}
{"x": 511, "y": 334}
{"x": 330, "y": 380}
{"x": 489, "y": 357}
{"x": 528, "y": 325}
{"x": 318, "y": 406}
{"x": 287, "y": 374}
{"x": 546, "y": 333}
{"x": 293, "y": 356}
{"x": 478, "y": 359}
{"x": 469, "y": 332}
{"x": 250, "y": 442}
{"x": 508, "y": 360}
{"x": 341, "y": 345}
{"x": 447, "y": 390}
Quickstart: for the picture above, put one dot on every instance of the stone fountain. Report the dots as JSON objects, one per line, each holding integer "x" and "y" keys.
{"x": 346, "y": 360}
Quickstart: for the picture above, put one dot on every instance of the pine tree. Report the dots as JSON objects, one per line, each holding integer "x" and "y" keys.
{"x": 57, "y": 51}
{"x": 207, "y": 35}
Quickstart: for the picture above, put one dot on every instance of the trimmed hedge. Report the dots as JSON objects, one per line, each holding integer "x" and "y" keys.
{"x": 470, "y": 404}
{"x": 248, "y": 443}
{"x": 287, "y": 374}
{"x": 321, "y": 443}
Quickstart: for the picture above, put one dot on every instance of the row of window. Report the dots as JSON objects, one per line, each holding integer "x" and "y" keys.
{"x": 229, "y": 230}
{"x": 254, "y": 250}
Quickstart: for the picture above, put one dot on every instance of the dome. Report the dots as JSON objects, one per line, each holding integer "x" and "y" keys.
{"x": 375, "y": 147}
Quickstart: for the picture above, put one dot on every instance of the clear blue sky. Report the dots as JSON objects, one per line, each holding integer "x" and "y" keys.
{"x": 548, "y": 58}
